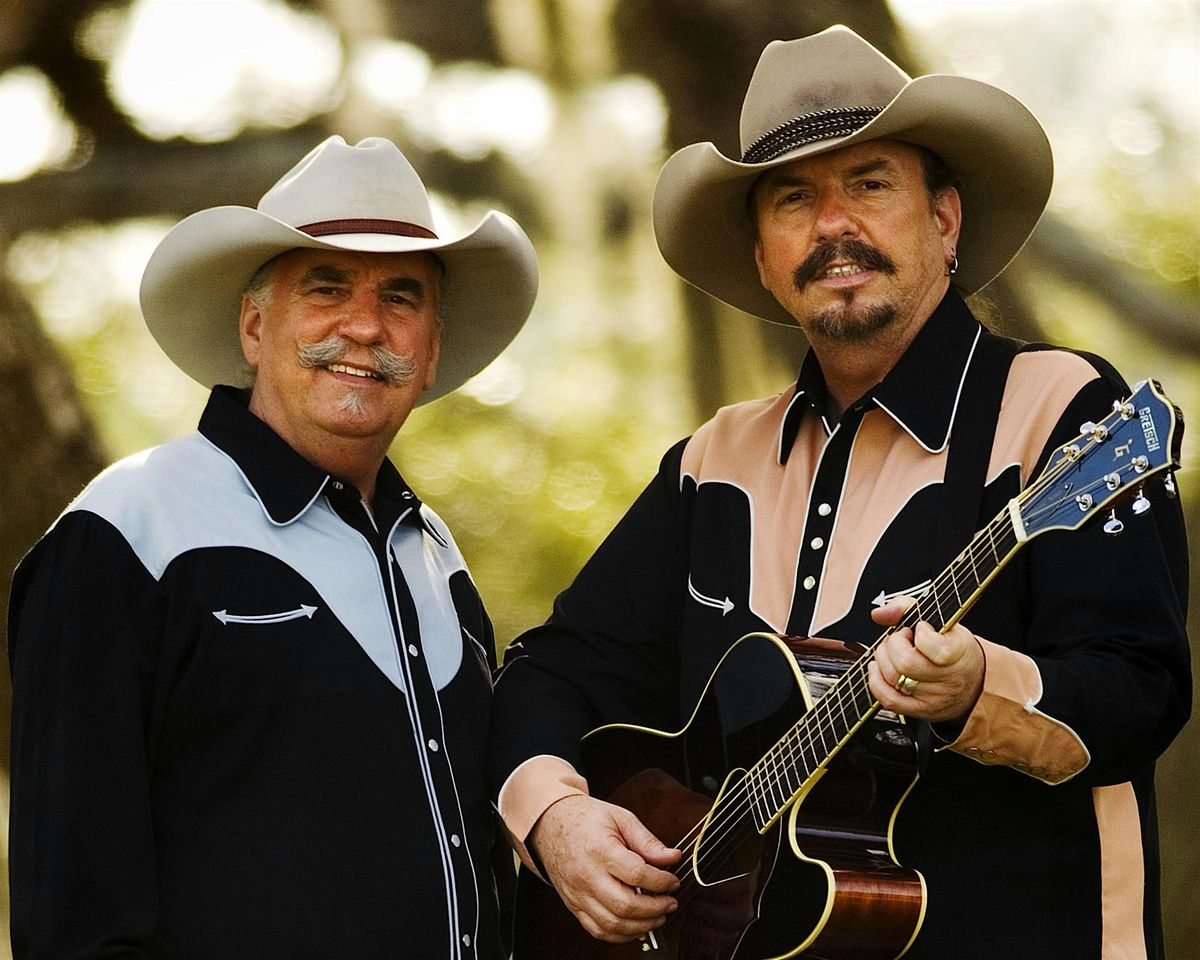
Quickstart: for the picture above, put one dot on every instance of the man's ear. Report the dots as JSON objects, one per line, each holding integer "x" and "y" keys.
{"x": 435, "y": 353}
{"x": 250, "y": 324}
{"x": 758, "y": 259}
{"x": 947, "y": 209}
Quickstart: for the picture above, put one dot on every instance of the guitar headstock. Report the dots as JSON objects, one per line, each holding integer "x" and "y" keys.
{"x": 1108, "y": 462}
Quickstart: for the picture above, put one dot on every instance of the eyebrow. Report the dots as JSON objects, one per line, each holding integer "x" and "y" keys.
{"x": 789, "y": 179}
{"x": 871, "y": 166}
{"x": 325, "y": 273}
{"x": 402, "y": 285}
{"x": 328, "y": 273}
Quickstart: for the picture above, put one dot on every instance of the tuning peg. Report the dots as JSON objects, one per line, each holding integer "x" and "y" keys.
{"x": 1113, "y": 526}
{"x": 1087, "y": 427}
{"x": 1140, "y": 504}
{"x": 1169, "y": 485}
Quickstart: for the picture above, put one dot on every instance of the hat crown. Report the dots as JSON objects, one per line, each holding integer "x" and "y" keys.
{"x": 372, "y": 180}
{"x": 835, "y": 69}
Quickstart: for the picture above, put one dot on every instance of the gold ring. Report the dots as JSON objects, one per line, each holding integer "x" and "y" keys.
{"x": 906, "y": 685}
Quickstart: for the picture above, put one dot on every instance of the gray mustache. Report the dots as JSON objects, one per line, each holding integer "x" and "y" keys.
{"x": 392, "y": 368}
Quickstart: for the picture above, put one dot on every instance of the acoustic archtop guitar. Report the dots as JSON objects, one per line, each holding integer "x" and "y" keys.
{"x": 783, "y": 801}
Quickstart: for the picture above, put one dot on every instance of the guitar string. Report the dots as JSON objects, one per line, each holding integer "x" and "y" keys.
{"x": 768, "y": 770}
{"x": 717, "y": 852}
{"x": 857, "y": 685}
{"x": 734, "y": 811}
{"x": 835, "y": 693}
{"x": 984, "y": 542}
{"x": 836, "y": 698}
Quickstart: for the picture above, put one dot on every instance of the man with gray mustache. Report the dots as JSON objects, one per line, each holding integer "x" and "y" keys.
{"x": 251, "y": 673}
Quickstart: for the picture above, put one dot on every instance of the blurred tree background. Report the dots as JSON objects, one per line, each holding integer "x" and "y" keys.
{"x": 117, "y": 118}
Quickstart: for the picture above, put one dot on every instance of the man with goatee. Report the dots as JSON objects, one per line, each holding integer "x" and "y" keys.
{"x": 864, "y": 208}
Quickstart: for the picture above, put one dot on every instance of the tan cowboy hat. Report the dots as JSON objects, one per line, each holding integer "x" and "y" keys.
{"x": 831, "y": 90}
{"x": 363, "y": 198}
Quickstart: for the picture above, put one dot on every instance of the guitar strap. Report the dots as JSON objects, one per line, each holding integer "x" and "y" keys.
{"x": 971, "y": 437}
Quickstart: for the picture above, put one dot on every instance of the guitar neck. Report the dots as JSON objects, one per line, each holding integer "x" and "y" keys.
{"x": 816, "y": 738}
{"x": 956, "y": 588}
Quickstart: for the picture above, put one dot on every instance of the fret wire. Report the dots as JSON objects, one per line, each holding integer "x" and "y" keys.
{"x": 764, "y": 798}
{"x": 779, "y": 785}
{"x": 753, "y": 791}
{"x": 760, "y": 796}
{"x": 765, "y": 767}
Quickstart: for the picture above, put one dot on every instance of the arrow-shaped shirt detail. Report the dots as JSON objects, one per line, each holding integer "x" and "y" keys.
{"x": 723, "y": 605}
{"x": 914, "y": 591}
{"x": 304, "y": 610}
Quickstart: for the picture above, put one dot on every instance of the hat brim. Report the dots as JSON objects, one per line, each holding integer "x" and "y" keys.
{"x": 192, "y": 288}
{"x": 995, "y": 146}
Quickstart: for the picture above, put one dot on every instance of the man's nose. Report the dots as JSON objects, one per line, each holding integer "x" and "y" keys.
{"x": 834, "y": 218}
{"x": 363, "y": 321}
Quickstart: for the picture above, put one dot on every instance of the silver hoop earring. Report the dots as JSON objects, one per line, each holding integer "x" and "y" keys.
{"x": 952, "y": 266}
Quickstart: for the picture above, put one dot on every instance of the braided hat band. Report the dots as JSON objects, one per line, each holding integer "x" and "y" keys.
{"x": 809, "y": 128}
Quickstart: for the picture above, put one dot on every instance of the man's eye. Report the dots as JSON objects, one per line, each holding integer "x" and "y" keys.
{"x": 872, "y": 185}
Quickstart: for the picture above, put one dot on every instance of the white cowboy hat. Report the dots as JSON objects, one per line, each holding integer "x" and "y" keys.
{"x": 831, "y": 90}
{"x": 364, "y": 198}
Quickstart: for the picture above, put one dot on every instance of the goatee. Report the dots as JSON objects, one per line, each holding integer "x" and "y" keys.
{"x": 850, "y": 324}
{"x": 847, "y": 322}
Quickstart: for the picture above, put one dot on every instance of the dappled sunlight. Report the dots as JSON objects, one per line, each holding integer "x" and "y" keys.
{"x": 472, "y": 109}
{"x": 84, "y": 283}
{"x": 29, "y": 104}
{"x": 500, "y": 383}
{"x": 393, "y": 75}
{"x": 207, "y": 70}
{"x": 1117, "y": 87}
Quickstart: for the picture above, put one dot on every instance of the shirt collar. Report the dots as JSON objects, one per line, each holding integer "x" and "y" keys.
{"x": 920, "y": 392}
{"x": 285, "y": 483}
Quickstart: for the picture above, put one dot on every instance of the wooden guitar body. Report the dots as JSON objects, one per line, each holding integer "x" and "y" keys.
{"x": 821, "y": 880}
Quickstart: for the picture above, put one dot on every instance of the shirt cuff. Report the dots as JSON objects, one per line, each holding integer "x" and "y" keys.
{"x": 530, "y": 790}
{"x": 1006, "y": 728}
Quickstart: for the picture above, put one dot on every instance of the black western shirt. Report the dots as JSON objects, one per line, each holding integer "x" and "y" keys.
{"x": 1035, "y": 828}
{"x": 250, "y": 716}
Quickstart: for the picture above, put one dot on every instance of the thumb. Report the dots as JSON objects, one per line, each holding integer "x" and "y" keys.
{"x": 890, "y": 613}
{"x": 642, "y": 842}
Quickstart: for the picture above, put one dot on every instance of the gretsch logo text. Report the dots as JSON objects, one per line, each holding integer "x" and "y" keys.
{"x": 1148, "y": 429}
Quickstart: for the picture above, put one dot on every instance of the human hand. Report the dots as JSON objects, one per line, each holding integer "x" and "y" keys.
{"x": 606, "y": 866}
{"x": 944, "y": 671}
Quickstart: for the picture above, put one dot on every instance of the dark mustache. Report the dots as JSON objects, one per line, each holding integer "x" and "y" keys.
{"x": 853, "y": 250}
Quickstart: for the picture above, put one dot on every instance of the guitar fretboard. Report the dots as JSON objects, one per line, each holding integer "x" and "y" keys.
{"x": 812, "y": 742}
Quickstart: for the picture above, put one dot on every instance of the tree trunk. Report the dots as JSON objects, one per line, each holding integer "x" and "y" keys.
{"x": 50, "y": 447}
